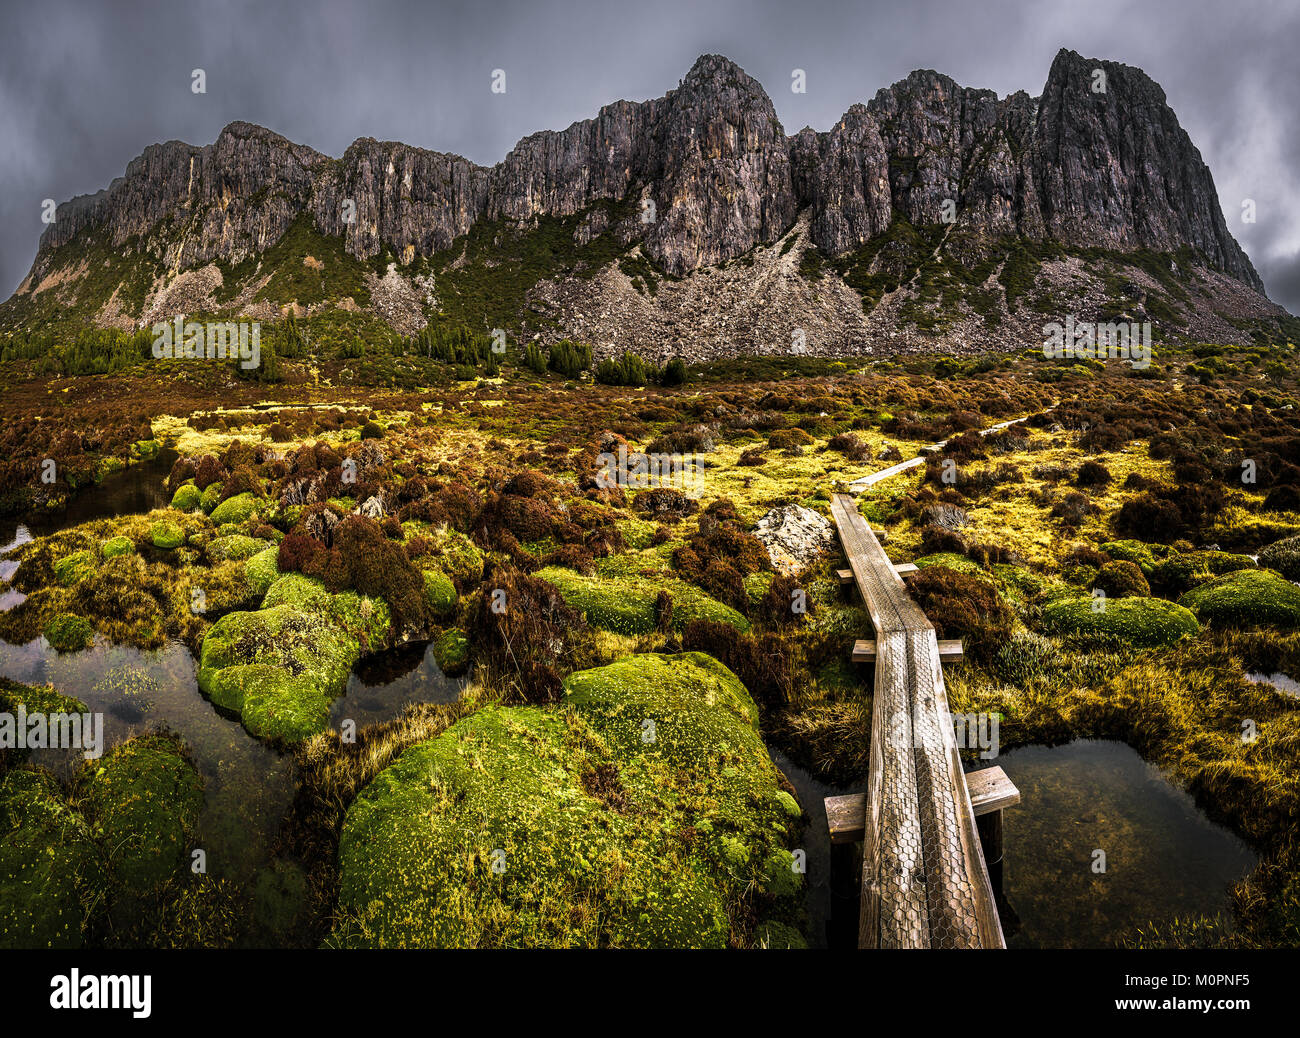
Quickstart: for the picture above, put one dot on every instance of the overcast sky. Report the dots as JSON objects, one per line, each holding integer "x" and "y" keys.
{"x": 86, "y": 86}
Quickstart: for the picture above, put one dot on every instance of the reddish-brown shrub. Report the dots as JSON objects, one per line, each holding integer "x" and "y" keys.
{"x": 962, "y": 605}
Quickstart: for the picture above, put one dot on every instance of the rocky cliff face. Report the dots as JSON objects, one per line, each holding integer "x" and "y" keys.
{"x": 1114, "y": 168}
{"x": 703, "y": 175}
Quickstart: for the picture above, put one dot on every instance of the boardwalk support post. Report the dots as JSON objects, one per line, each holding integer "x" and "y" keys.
{"x": 990, "y": 830}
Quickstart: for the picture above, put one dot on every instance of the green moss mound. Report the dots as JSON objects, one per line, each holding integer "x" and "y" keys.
{"x": 187, "y": 498}
{"x": 237, "y": 547}
{"x": 143, "y": 800}
{"x": 458, "y": 557}
{"x": 451, "y": 651}
{"x": 651, "y": 833}
{"x": 116, "y": 546}
{"x": 1139, "y": 552}
{"x": 366, "y": 620}
{"x": 74, "y": 568}
{"x": 69, "y": 633}
{"x": 48, "y": 863}
{"x": 440, "y": 593}
{"x": 303, "y": 593}
{"x": 37, "y": 699}
{"x": 756, "y": 586}
{"x": 1283, "y": 556}
{"x": 1020, "y": 583}
{"x": 236, "y": 509}
{"x": 278, "y": 668}
{"x": 1247, "y": 598}
{"x": 627, "y": 606}
{"x": 211, "y": 498}
{"x": 949, "y": 560}
{"x": 1143, "y": 622}
{"x": 166, "y": 534}
{"x": 1122, "y": 578}
{"x": 261, "y": 571}
{"x": 1180, "y": 572}
{"x": 623, "y": 696}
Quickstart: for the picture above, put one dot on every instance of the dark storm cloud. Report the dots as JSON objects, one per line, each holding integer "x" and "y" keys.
{"x": 84, "y": 87}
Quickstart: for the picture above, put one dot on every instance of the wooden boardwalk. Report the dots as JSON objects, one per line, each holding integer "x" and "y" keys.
{"x": 924, "y": 881}
{"x": 868, "y": 481}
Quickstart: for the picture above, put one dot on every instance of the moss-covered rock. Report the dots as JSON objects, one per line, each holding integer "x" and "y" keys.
{"x": 166, "y": 534}
{"x": 261, "y": 570}
{"x": 658, "y": 802}
{"x": 67, "y": 632}
{"x": 756, "y": 586}
{"x": 278, "y": 668}
{"x": 457, "y": 556}
{"x": 116, "y": 546}
{"x": 1182, "y": 571}
{"x": 37, "y": 699}
{"x": 668, "y": 691}
{"x": 143, "y": 800}
{"x": 237, "y": 509}
{"x": 1143, "y": 622}
{"x": 451, "y": 651}
{"x": 439, "y": 593}
{"x": 1283, "y": 556}
{"x": 949, "y": 560}
{"x": 187, "y": 498}
{"x": 367, "y": 620}
{"x": 237, "y": 546}
{"x": 211, "y": 498}
{"x": 1245, "y": 599}
{"x": 74, "y": 568}
{"x": 48, "y": 864}
{"x": 627, "y": 606}
{"x": 1020, "y": 584}
{"x": 303, "y": 593}
{"x": 1121, "y": 578}
{"x": 1139, "y": 552}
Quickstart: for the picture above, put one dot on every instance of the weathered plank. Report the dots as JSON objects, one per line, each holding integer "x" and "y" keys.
{"x": 924, "y": 883}
{"x": 950, "y": 650}
{"x": 845, "y": 576}
{"x": 990, "y": 790}
{"x": 871, "y": 479}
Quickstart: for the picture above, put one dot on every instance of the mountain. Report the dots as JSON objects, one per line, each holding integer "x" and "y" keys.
{"x": 933, "y": 215}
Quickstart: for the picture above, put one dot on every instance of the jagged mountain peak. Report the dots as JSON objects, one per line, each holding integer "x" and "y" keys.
{"x": 711, "y": 71}
{"x": 925, "y": 172}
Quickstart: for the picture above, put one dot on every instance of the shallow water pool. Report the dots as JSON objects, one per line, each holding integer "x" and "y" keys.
{"x": 1163, "y": 857}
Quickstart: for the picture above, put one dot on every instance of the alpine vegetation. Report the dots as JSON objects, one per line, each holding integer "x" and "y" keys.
{"x": 688, "y": 531}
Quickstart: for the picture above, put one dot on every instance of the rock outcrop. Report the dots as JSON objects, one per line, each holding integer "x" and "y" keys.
{"x": 795, "y": 537}
{"x": 695, "y": 179}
